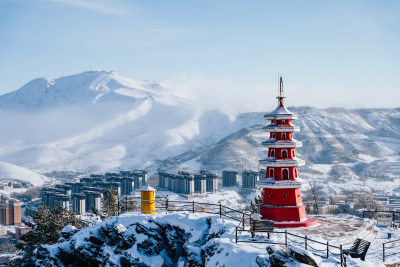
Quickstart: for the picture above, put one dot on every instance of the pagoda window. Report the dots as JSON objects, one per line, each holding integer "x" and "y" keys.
{"x": 283, "y": 136}
{"x": 283, "y": 122}
{"x": 272, "y": 153}
{"x": 285, "y": 174}
{"x": 273, "y": 135}
{"x": 284, "y": 154}
{"x": 292, "y": 153}
{"x": 271, "y": 172}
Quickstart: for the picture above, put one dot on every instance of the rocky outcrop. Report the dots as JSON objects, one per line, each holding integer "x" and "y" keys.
{"x": 112, "y": 243}
{"x": 179, "y": 239}
{"x": 304, "y": 256}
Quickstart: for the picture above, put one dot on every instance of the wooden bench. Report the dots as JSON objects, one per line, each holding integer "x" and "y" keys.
{"x": 358, "y": 250}
{"x": 261, "y": 226}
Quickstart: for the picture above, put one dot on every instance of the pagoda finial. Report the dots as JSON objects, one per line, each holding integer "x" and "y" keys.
{"x": 280, "y": 97}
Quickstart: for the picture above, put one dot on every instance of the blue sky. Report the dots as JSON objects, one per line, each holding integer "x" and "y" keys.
{"x": 331, "y": 53}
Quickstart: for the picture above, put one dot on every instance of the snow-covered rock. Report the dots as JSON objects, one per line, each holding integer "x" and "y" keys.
{"x": 305, "y": 256}
{"x": 180, "y": 239}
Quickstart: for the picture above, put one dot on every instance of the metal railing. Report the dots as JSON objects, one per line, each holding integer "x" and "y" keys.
{"x": 244, "y": 218}
{"x": 372, "y": 213}
{"x": 322, "y": 249}
{"x": 165, "y": 205}
{"x": 386, "y": 247}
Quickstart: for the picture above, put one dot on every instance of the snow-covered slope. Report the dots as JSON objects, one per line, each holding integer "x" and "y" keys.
{"x": 179, "y": 239}
{"x": 12, "y": 172}
{"x": 90, "y": 86}
{"x": 61, "y": 124}
{"x": 99, "y": 121}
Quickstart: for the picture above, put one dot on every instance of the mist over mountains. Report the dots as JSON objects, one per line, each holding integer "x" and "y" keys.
{"x": 100, "y": 121}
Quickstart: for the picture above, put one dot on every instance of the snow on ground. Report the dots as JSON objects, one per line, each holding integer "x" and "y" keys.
{"x": 230, "y": 197}
{"x": 366, "y": 158}
{"x": 11, "y": 191}
{"x": 220, "y": 247}
{"x": 13, "y": 172}
{"x": 343, "y": 230}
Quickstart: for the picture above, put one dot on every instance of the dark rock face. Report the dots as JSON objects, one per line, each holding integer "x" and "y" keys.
{"x": 303, "y": 258}
{"x": 279, "y": 257}
{"x": 114, "y": 245}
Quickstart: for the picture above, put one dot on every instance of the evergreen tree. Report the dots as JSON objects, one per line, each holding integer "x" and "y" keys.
{"x": 46, "y": 227}
{"x": 109, "y": 203}
{"x": 256, "y": 205}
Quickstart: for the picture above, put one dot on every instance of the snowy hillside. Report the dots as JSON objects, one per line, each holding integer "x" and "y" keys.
{"x": 10, "y": 172}
{"x": 180, "y": 239}
{"x": 99, "y": 121}
{"x": 143, "y": 125}
{"x": 90, "y": 86}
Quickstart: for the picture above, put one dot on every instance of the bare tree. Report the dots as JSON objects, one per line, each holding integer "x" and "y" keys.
{"x": 365, "y": 201}
{"x": 256, "y": 205}
{"x": 314, "y": 193}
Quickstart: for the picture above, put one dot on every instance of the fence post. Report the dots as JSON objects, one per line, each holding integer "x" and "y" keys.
{"x": 193, "y": 206}
{"x": 220, "y": 210}
{"x": 126, "y": 203}
{"x": 119, "y": 207}
{"x": 383, "y": 245}
{"x": 236, "y": 235}
{"x": 286, "y": 238}
{"x": 305, "y": 242}
{"x": 243, "y": 221}
{"x": 166, "y": 204}
{"x": 327, "y": 249}
{"x": 341, "y": 255}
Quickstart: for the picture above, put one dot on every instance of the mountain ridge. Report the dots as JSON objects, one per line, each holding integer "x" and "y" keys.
{"x": 141, "y": 124}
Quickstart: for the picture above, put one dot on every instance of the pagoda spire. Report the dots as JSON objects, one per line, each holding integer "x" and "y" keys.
{"x": 280, "y": 97}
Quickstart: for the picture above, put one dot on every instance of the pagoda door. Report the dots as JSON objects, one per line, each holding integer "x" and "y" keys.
{"x": 285, "y": 174}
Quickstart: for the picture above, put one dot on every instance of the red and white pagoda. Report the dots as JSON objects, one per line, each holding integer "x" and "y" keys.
{"x": 282, "y": 195}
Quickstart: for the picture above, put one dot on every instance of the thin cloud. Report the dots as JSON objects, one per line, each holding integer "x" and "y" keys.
{"x": 91, "y": 5}
{"x": 225, "y": 94}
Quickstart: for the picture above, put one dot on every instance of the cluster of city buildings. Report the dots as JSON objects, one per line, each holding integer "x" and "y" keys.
{"x": 187, "y": 183}
{"x": 249, "y": 178}
{"x": 85, "y": 196}
{"x": 11, "y": 227}
{"x": 355, "y": 203}
{"x": 10, "y": 211}
{"x": 10, "y": 185}
{"x": 206, "y": 181}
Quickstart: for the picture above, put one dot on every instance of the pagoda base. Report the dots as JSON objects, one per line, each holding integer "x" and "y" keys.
{"x": 306, "y": 223}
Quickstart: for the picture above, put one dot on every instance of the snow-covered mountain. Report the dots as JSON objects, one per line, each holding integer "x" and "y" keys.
{"x": 84, "y": 88}
{"x": 100, "y": 121}
{"x": 10, "y": 172}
